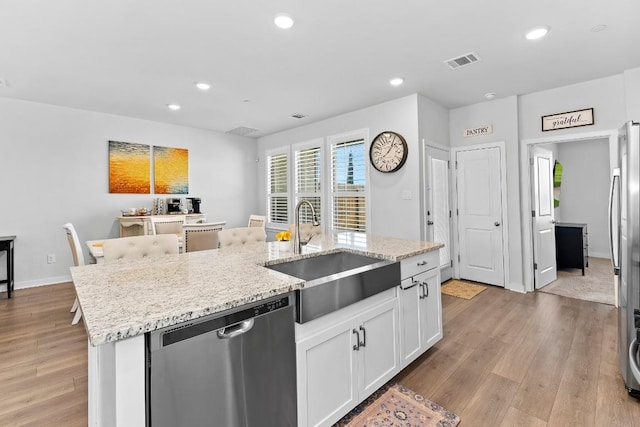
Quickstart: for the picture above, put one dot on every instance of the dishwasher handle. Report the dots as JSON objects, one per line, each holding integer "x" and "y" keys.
{"x": 235, "y": 330}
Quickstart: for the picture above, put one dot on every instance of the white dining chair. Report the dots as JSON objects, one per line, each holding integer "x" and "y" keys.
{"x": 257, "y": 221}
{"x": 136, "y": 247}
{"x": 200, "y": 237}
{"x": 78, "y": 260}
{"x": 168, "y": 225}
{"x": 241, "y": 236}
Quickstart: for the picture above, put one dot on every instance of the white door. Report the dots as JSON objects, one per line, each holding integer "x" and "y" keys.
{"x": 438, "y": 219}
{"x": 544, "y": 233}
{"x": 480, "y": 215}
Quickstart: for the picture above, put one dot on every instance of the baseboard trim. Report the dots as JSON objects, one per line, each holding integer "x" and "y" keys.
{"x": 25, "y": 284}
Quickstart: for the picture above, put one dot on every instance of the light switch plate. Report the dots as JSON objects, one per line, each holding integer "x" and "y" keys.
{"x": 406, "y": 195}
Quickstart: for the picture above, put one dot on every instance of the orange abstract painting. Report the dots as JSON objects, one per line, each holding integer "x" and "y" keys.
{"x": 171, "y": 170}
{"x": 129, "y": 168}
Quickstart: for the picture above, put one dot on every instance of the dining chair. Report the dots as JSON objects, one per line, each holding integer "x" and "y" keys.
{"x": 257, "y": 221}
{"x": 307, "y": 231}
{"x": 200, "y": 237}
{"x": 241, "y": 236}
{"x": 168, "y": 225}
{"x": 136, "y": 247}
{"x": 78, "y": 260}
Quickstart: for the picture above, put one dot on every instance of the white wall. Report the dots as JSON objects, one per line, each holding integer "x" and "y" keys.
{"x": 54, "y": 162}
{"x": 502, "y": 114}
{"x": 584, "y": 192}
{"x": 632, "y": 94}
{"x": 390, "y": 214}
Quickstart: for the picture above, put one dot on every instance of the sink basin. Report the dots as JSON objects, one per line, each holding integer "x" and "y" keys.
{"x": 336, "y": 280}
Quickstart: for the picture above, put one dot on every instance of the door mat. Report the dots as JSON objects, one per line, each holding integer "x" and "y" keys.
{"x": 460, "y": 289}
{"x": 394, "y": 405}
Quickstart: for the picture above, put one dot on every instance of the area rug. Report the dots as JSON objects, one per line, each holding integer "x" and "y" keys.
{"x": 394, "y": 405}
{"x": 460, "y": 289}
{"x": 596, "y": 285}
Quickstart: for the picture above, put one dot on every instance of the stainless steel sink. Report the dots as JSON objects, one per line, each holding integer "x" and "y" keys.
{"x": 336, "y": 280}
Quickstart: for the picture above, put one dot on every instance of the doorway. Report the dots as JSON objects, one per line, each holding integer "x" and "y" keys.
{"x": 480, "y": 214}
{"x": 437, "y": 224}
{"x": 579, "y": 216}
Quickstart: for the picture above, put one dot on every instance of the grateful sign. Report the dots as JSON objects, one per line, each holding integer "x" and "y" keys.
{"x": 570, "y": 119}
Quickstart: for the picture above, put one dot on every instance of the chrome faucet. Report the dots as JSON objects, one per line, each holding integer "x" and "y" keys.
{"x": 297, "y": 244}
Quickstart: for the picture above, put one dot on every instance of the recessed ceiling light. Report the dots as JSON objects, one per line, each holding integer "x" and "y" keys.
{"x": 396, "y": 81}
{"x": 283, "y": 20}
{"x": 203, "y": 86}
{"x": 490, "y": 95}
{"x": 174, "y": 107}
{"x": 598, "y": 28}
{"x": 537, "y": 33}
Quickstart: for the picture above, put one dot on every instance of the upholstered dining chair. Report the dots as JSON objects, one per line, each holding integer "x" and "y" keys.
{"x": 168, "y": 225}
{"x": 200, "y": 237}
{"x": 257, "y": 221}
{"x": 307, "y": 231}
{"x": 78, "y": 260}
{"x": 241, "y": 236}
{"x": 136, "y": 247}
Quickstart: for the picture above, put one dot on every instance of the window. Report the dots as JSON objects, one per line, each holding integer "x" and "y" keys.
{"x": 348, "y": 210}
{"x": 308, "y": 178}
{"x": 278, "y": 188}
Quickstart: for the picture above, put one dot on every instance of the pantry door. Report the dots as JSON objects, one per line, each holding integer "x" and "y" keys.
{"x": 480, "y": 215}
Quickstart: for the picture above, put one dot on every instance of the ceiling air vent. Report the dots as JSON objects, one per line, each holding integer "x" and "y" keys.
{"x": 298, "y": 116}
{"x": 463, "y": 60}
{"x": 241, "y": 131}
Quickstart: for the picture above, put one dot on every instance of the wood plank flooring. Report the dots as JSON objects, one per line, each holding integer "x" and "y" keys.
{"x": 507, "y": 359}
{"x": 536, "y": 360}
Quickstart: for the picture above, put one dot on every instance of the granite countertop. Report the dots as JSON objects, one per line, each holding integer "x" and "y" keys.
{"x": 125, "y": 299}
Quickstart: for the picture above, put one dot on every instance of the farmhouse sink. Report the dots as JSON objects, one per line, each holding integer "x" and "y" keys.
{"x": 336, "y": 280}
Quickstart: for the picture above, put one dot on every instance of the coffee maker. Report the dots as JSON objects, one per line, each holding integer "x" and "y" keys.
{"x": 174, "y": 206}
{"x": 193, "y": 204}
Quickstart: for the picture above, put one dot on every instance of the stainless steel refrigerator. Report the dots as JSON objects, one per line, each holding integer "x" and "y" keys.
{"x": 624, "y": 223}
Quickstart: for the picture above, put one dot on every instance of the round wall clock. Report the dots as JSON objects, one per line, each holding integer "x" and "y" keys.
{"x": 388, "y": 151}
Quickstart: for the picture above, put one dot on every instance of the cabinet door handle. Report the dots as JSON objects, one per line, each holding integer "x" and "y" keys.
{"x": 363, "y": 343}
{"x": 426, "y": 287}
{"x": 421, "y": 296}
{"x": 421, "y": 263}
{"x": 356, "y": 346}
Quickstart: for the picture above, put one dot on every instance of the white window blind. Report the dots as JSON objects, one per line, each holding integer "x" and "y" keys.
{"x": 348, "y": 186}
{"x": 277, "y": 188}
{"x": 308, "y": 178}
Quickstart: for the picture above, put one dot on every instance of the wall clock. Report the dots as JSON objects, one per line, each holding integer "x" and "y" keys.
{"x": 388, "y": 151}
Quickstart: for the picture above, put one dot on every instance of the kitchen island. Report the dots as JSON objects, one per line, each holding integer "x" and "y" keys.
{"x": 123, "y": 301}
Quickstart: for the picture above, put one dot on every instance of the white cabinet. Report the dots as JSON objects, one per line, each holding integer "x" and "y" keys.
{"x": 420, "y": 306}
{"x": 344, "y": 363}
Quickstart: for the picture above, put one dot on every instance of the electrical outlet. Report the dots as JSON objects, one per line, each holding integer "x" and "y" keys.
{"x": 51, "y": 259}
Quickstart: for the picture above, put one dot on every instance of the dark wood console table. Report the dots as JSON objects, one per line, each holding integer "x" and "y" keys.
{"x": 6, "y": 244}
{"x": 571, "y": 245}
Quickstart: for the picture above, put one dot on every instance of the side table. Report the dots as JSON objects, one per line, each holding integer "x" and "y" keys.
{"x": 6, "y": 244}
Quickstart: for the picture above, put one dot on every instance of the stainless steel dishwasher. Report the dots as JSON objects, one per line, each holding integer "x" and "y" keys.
{"x": 233, "y": 369}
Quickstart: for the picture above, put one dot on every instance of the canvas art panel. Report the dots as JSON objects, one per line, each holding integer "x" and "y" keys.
{"x": 129, "y": 168}
{"x": 171, "y": 170}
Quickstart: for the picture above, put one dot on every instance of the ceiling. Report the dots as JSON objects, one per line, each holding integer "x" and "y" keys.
{"x": 132, "y": 58}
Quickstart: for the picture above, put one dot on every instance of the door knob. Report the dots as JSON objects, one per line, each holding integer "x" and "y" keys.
{"x": 429, "y": 222}
{"x": 497, "y": 224}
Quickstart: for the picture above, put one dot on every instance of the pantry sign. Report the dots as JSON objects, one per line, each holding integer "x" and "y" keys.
{"x": 570, "y": 119}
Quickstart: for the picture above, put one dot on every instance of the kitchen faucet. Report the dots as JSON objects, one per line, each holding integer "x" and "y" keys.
{"x": 297, "y": 245}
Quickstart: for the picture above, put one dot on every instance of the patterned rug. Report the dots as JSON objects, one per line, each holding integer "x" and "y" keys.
{"x": 596, "y": 285}
{"x": 394, "y": 405}
{"x": 460, "y": 289}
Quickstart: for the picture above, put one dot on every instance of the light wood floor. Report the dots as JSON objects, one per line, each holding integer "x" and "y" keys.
{"x": 510, "y": 359}
{"x": 43, "y": 359}
{"x": 507, "y": 359}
